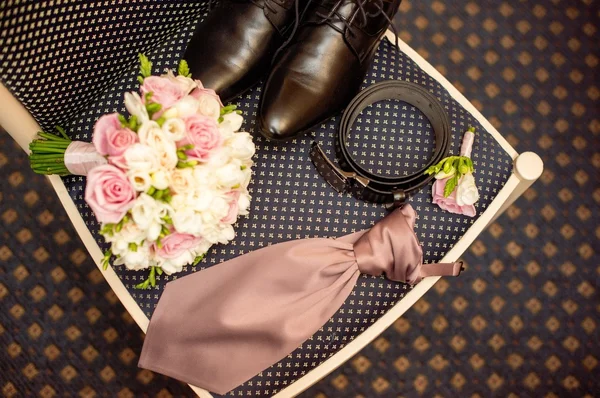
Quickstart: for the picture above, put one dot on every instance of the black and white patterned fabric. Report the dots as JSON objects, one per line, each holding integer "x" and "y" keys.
{"x": 81, "y": 57}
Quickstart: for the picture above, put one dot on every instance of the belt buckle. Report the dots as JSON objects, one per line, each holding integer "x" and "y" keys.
{"x": 340, "y": 180}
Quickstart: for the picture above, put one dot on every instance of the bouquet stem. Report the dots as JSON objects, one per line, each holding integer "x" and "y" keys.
{"x": 48, "y": 153}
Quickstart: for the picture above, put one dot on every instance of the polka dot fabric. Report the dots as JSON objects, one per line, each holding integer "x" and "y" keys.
{"x": 290, "y": 200}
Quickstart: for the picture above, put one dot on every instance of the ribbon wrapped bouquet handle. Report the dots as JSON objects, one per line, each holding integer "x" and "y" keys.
{"x": 219, "y": 327}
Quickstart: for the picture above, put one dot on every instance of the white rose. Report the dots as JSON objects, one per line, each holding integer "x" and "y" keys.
{"x": 204, "y": 176}
{"x": 247, "y": 177}
{"x": 219, "y": 158}
{"x": 142, "y": 157}
{"x": 218, "y": 233}
{"x": 186, "y": 220}
{"x": 182, "y": 181}
{"x": 146, "y": 211}
{"x": 203, "y": 199}
{"x": 174, "y": 129}
{"x": 209, "y": 106}
{"x": 225, "y": 131}
{"x": 161, "y": 179}
{"x": 242, "y": 146}
{"x": 202, "y": 248}
{"x": 129, "y": 233}
{"x": 140, "y": 179}
{"x": 186, "y": 83}
{"x": 150, "y": 134}
{"x": 173, "y": 265}
{"x": 186, "y": 106}
{"x": 232, "y": 121}
{"x": 230, "y": 175}
{"x": 218, "y": 209}
{"x": 467, "y": 193}
{"x": 135, "y": 107}
{"x": 243, "y": 204}
{"x": 135, "y": 260}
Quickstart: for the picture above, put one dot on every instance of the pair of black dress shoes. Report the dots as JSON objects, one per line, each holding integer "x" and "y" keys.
{"x": 315, "y": 52}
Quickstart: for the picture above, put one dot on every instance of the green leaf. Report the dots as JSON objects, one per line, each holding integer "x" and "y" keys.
{"x": 152, "y": 277}
{"x": 450, "y": 185}
{"x": 106, "y": 259}
{"x": 159, "y": 270}
{"x": 153, "y": 107}
{"x": 133, "y": 123}
{"x": 123, "y": 120}
{"x": 198, "y": 259}
{"x": 471, "y": 129}
{"x": 145, "y": 66}
{"x": 183, "y": 69}
{"x": 141, "y": 80}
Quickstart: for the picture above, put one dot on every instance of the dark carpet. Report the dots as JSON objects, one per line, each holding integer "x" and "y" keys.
{"x": 522, "y": 322}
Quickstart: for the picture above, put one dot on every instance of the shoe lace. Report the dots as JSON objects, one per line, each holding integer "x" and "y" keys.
{"x": 361, "y": 12}
{"x": 298, "y": 17}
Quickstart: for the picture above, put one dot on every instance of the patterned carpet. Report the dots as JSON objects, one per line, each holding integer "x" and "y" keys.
{"x": 522, "y": 322}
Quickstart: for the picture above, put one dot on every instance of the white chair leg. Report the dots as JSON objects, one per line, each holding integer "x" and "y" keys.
{"x": 528, "y": 167}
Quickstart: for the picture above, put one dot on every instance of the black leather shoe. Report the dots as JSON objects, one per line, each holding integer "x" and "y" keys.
{"x": 322, "y": 70}
{"x": 234, "y": 47}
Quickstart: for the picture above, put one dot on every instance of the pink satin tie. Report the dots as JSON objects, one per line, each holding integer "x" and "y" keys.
{"x": 219, "y": 327}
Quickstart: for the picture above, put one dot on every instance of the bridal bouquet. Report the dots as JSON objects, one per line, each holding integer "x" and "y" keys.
{"x": 165, "y": 182}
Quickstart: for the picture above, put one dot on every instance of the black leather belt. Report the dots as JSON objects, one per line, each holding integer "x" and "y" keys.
{"x": 351, "y": 177}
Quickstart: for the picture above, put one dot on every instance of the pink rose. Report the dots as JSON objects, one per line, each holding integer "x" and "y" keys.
{"x": 449, "y": 203}
{"x": 176, "y": 244}
{"x": 200, "y": 91}
{"x": 203, "y": 133}
{"x": 164, "y": 91}
{"x": 109, "y": 193}
{"x": 232, "y": 214}
{"x": 110, "y": 137}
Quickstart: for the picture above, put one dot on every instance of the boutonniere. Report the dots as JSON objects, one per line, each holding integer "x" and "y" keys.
{"x": 454, "y": 189}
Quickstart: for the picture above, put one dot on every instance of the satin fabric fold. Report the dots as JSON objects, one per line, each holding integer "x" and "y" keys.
{"x": 221, "y": 326}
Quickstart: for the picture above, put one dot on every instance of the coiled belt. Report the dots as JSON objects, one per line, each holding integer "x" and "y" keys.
{"x": 351, "y": 177}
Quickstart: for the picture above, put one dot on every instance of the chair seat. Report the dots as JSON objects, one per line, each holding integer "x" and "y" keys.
{"x": 291, "y": 201}
{"x": 289, "y": 198}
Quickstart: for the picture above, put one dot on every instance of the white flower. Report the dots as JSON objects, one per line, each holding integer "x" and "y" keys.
{"x": 183, "y": 181}
{"x": 135, "y": 260}
{"x": 230, "y": 175}
{"x": 217, "y": 210}
{"x": 173, "y": 265}
{"x": 150, "y": 134}
{"x": 140, "y": 179}
{"x": 247, "y": 176}
{"x": 243, "y": 204}
{"x": 186, "y": 220}
{"x": 232, "y": 121}
{"x": 467, "y": 193}
{"x": 225, "y": 131}
{"x": 218, "y": 233}
{"x": 209, "y": 106}
{"x": 147, "y": 213}
{"x": 135, "y": 107}
{"x": 242, "y": 146}
{"x": 174, "y": 129}
{"x": 186, "y": 83}
{"x": 219, "y": 158}
{"x": 161, "y": 179}
{"x": 186, "y": 106}
{"x": 205, "y": 176}
{"x": 142, "y": 157}
{"x": 129, "y": 233}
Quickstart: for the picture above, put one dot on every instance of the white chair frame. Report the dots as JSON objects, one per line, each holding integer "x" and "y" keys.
{"x": 527, "y": 168}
